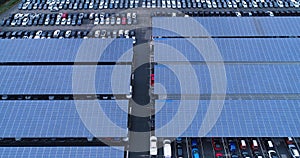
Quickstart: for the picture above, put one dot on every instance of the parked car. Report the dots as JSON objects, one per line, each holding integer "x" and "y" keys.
{"x": 153, "y": 145}
{"x": 167, "y": 148}
{"x": 195, "y": 153}
{"x": 217, "y": 144}
{"x": 294, "y": 151}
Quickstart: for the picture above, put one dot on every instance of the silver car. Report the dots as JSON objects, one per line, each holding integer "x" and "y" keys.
{"x": 294, "y": 151}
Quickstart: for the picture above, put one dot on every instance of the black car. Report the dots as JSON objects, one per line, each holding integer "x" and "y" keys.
{"x": 85, "y": 33}
{"x": 73, "y": 34}
{"x": 179, "y": 151}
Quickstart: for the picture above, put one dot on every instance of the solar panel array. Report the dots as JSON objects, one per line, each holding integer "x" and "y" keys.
{"x": 63, "y": 118}
{"x": 104, "y": 79}
{"x": 231, "y": 49}
{"x": 225, "y": 26}
{"x": 246, "y": 118}
{"x": 241, "y": 79}
{"x": 62, "y": 152}
{"x": 67, "y": 50}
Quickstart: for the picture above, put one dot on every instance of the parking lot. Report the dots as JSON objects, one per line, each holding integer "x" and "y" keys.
{"x": 231, "y": 147}
{"x": 40, "y": 19}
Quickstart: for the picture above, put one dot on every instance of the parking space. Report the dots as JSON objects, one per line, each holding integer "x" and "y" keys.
{"x": 281, "y": 147}
{"x": 208, "y": 150}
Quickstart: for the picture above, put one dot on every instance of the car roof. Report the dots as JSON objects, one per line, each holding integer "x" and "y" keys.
{"x": 255, "y": 143}
{"x": 270, "y": 143}
{"x": 295, "y": 152}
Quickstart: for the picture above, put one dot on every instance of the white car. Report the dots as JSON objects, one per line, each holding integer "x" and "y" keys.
{"x": 107, "y": 21}
{"x": 133, "y": 15}
{"x": 102, "y": 21}
{"x": 272, "y": 154}
{"x": 118, "y": 21}
{"x": 121, "y": 33}
{"x": 39, "y": 33}
{"x": 69, "y": 21}
{"x": 68, "y": 33}
{"x": 96, "y": 22}
{"x": 47, "y": 21}
{"x": 167, "y": 148}
{"x": 97, "y": 33}
{"x": 25, "y": 21}
{"x": 126, "y": 33}
{"x": 294, "y": 151}
{"x": 56, "y": 33}
{"x": 63, "y": 21}
{"x": 153, "y": 145}
{"x": 134, "y": 40}
{"x": 296, "y": 4}
{"x": 128, "y": 15}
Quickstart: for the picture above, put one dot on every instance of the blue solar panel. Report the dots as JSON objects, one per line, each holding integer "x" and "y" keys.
{"x": 62, "y": 152}
{"x": 241, "y": 79}
{"x": 63, "y": 118}
{"x": 225, "y": 26}
{"x": 66, "y": 50}
{"x": 105, "y": 79}
{"x": 238, "y": 118}
{"x": 230, "y": 49}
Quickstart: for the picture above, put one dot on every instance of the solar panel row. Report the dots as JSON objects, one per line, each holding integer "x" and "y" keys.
{"x": 225, "y": 26}
{"x": 63, "y": 118}
{"x": 104, "y": 79}
{"x": 230, "y": 49}
{"x": 236, "y": 118}
{"x": 239, "y": 78}
{"x": 62, "y": 152}
{"x": 67, "y": 50}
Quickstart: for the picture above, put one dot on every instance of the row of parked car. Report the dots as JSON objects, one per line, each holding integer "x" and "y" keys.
{"x": 222, "y": 13}
{"x": 226, "y": 147}
{"x": 40, "y": 34}
{"x": 55, "y": 5}
{"x": 62, "y": 19}
{"x": 219, "y": 4}
{"x": 34, "y": 19}
{"x": 114, "y": 18}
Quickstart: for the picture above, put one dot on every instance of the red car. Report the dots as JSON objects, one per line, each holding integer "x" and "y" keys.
{"x": 152, "y": 79}
{"x": 289, "y": 140}
{"x": 64, "y": 15}
{"x": 123, "y": 21}
{"x": 219, "y": 155}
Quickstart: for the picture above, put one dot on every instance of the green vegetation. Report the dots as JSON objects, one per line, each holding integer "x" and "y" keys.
{"x": 7, "y": 5}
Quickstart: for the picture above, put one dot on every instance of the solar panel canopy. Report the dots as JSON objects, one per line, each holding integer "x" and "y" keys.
{"x": 235, "y": 118}
{"x": 104, "y": 79}
{"x": 225, "y": 26}
{"x": 62, "y": 152}
{"x": 227, "y": 49}
{"x": 66, "y": 50}
{"x": 236, "y": 79}
{"x": 63, "y": 118}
